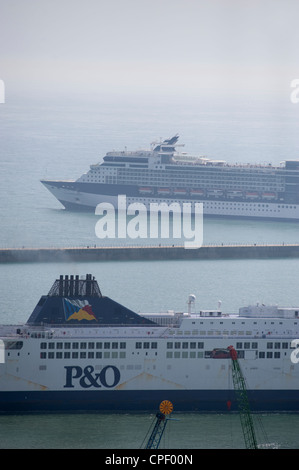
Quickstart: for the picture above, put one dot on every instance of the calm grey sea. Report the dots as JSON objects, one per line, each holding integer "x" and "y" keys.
{"x": 60, "y": 138}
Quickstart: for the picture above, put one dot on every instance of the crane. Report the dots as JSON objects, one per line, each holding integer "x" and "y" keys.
{"x": 242, "y": 399}
{"x": 165, "y": 409}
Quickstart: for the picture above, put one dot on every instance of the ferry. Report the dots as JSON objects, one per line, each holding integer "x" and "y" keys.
{"x": 82, "y": 351}
{"x": 164, "y": 175}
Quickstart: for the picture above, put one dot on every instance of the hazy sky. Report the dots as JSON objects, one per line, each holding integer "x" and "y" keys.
{"x": 149, "y": 45}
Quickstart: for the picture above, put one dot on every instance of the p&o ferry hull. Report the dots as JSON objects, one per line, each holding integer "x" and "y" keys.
{"x": 82, "y": 351}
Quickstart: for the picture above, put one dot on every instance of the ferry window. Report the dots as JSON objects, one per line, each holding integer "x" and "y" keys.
{"x": 59, "y": 355}
{"x": 269, "y": 355}
{"x": 246, "y": 345}
{"x": 177, "y": 345}
{"x": 122, "y": 345}
{"x": 122, "y": 355}
{"x": 43, "y": 345}
{"x": 154, "y": 345}
{"x": 284, "y": 345}
{"x": 67, "y": 345}
{"x": 106, "y": 345}
{"x": 75, "y": 355}
{"x": 59, "y": 345}
{"x": 82, "y": 355}
{"x": 43, "y": 355}
{"x": 90, "y": 345}
{"x": 261, "y": 355}
{"x": 169, "y": 345}
{"x": 269, "y": 345}
{"x": 169, "y": 354}
{"x": 51, "y": 345}
{"x": 277, "y": 345}
{"x": 277, "y": 355}
{"x": 185, "y": 345}
{"x": 50, "y": 355}
{"x": 90, "y": 355}
{"x": 114, "y": 345}
{"x": 99, "y": 355}
{"x": 192, "y": 345}
{"x": 67, "y": 355}
{"x": 239, "y": 345}
{"x": 254, "y": 345}
{"x": 200, "y": 345}
{"x": 138, "y": 345}
{"x": 82, "y": 345}
{"x": 99, "y": 345}
{"x": 75, "y": 345}
{"x": 146, "y": 345}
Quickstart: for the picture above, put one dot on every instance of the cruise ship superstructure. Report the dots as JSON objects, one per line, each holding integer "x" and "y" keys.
{"x": 164, "y": 175}
{"x": 82, "y": 351}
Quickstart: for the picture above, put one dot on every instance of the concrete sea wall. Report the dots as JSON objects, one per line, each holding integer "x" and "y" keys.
{"x": 143, "y": 253}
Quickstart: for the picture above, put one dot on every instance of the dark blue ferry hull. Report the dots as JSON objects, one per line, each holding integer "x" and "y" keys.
{"x": 207, "y": 401}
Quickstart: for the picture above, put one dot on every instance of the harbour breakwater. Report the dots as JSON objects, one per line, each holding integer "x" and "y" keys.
{"x": 147, "y": 253}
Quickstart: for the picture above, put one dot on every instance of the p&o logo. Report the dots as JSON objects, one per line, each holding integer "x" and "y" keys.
{"x": 108, "y": 377}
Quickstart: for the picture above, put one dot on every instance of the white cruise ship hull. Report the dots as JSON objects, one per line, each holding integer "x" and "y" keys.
{"x": 78, "y": 200}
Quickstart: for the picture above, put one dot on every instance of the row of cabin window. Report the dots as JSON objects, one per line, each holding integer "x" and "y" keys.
{"x": 146, "y": 345}
{"x": 83, "y": 345}
{"x": 239, "y": 345}
{"x": 207, "y": 355}
{"x": 185, "y": 345}
{"x": 83, "y": 355}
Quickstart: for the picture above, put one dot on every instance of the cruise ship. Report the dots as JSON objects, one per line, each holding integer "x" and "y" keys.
{"x": 82, "y": 351}
{"x": 165, "y": 175}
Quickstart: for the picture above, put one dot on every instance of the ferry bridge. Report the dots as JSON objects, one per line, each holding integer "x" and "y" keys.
{"x": 148, "y": 253}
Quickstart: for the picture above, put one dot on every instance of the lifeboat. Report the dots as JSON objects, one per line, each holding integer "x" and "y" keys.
{"x": 180, "y": 192}
{"x": 197, "y": 192}
{"x": 163, "y": 191}
{"x": 145, "y": 190}
{"x": 234, "y": 193}
{"x": 252, "y": 195}
{"x": 220, "y": 354}
{"x": 215, "y": 192}
{"x": 268, "y": 196}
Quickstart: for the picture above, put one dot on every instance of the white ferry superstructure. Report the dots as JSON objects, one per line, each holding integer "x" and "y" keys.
{"x": 82, "y": 351}
{"x": 163, "y": 175}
